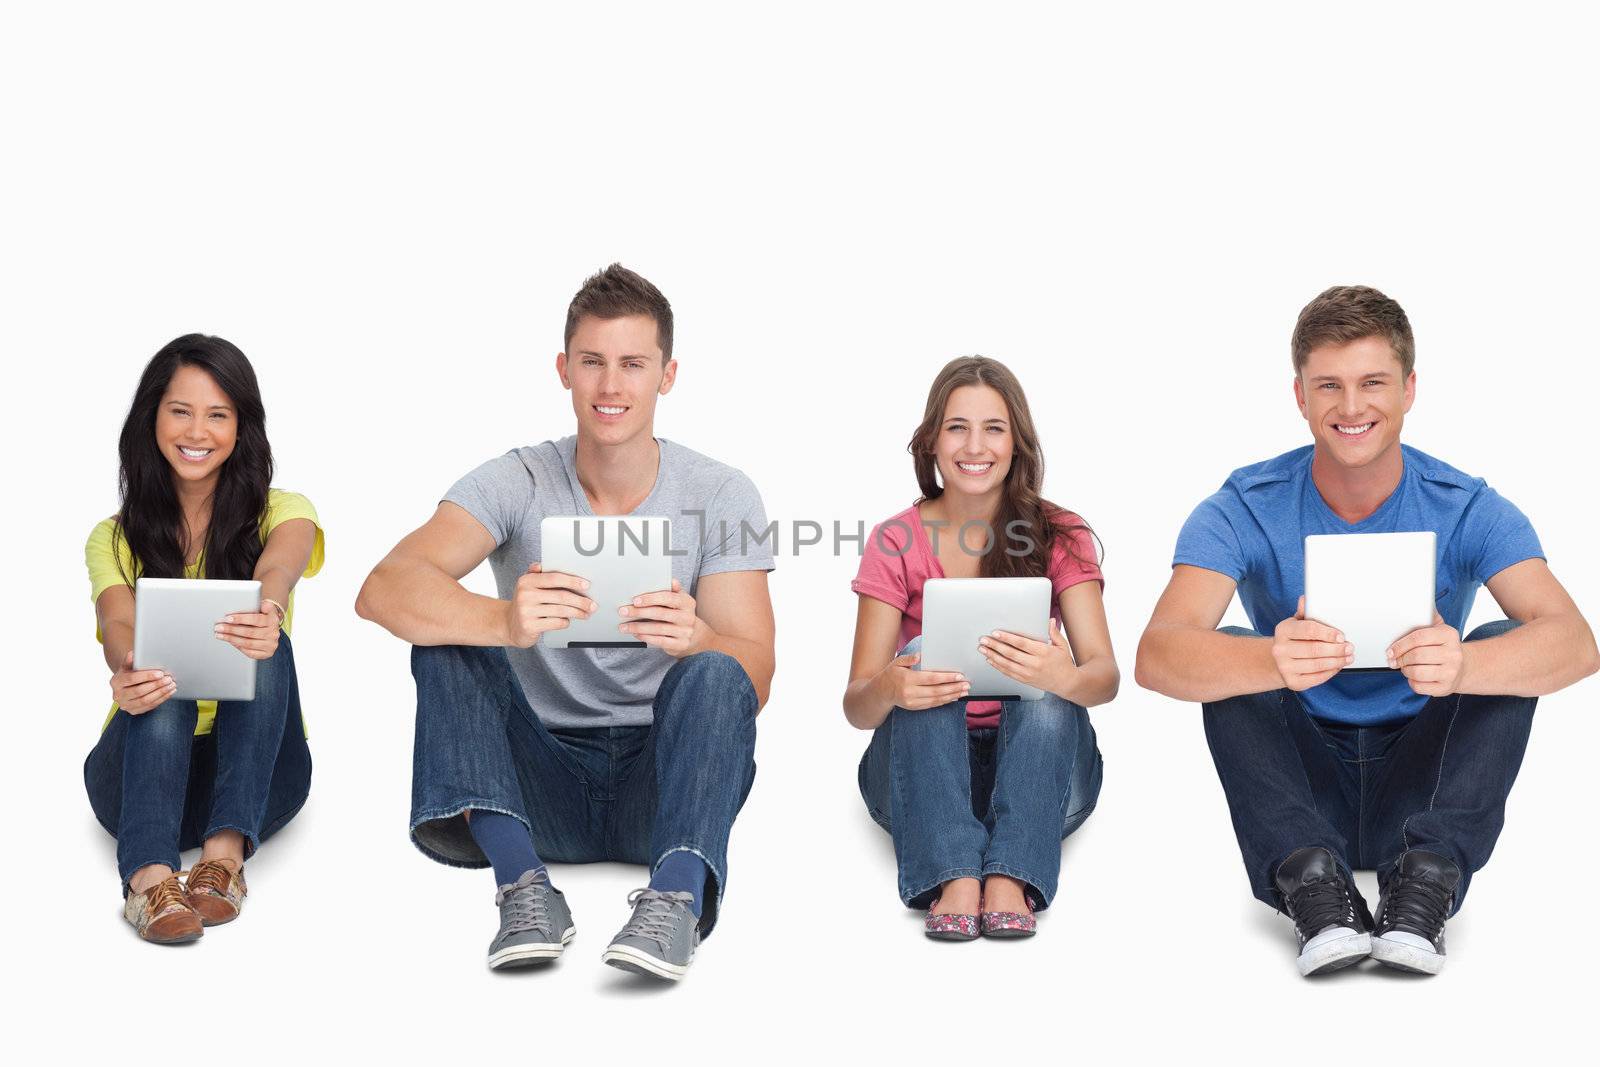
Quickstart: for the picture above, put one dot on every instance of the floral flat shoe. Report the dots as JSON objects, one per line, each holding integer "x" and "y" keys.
{"x": 950, "y": 927}
{"x": 1008, "y": 924}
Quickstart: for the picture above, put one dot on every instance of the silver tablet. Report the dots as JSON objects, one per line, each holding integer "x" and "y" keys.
{"x": 958, "y": 611}
{"x": 1374, "y": 588}
{"x": 621, "y": 556}
{"x": 174, "y": 629}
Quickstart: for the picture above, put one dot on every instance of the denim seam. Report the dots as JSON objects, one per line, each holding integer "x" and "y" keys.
{"x": 1438, "y": 781}
{"x": 1361, "y": 796}
{"x": 1305, "y": 776}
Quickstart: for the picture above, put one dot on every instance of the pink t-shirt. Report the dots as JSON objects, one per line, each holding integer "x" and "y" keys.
{"x": 893, "y": 573}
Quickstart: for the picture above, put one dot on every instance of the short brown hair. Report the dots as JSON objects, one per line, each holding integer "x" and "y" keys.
{"x": 617, "y": 292}
{"x": 1348, "y": 313}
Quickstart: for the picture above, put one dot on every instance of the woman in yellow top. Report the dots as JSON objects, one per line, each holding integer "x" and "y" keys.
{"x": 172, "y": 774}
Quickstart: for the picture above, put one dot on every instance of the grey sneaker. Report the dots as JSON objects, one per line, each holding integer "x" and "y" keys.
{"x": 661, "y": 937}
{"x": 535, "y": 924}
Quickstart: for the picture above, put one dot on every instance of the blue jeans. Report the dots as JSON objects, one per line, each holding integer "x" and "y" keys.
{"x": 1436, "y": 782}
{"x": 158, "y": 789}
{"x": 965, "y": 803}
{"x": 629, "y": 794}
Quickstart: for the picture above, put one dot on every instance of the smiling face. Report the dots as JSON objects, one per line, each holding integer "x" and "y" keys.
{"x": 615, "y": 372}
{"x": 196, "y": 425}
{"x": 1355, "y": 397}
{"x": 974, "y": 445}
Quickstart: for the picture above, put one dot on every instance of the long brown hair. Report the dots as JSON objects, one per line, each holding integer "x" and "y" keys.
{"x": 1020, "y": 500}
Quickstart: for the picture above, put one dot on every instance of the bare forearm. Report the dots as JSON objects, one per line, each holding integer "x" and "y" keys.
{"x": 422, "y": 604}
{"x": 117, "y": 640}
{"x": 277, "y": 582}
{"x": 1188, "y": 663}
{"x": 867, "y": 702}
{"x": 1537, "y": 658}
{"x": 1095, "y": 682}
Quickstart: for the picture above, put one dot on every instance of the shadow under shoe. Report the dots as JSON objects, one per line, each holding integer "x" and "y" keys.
{"x": 1330, "y": 917}
{"x": 1411, "y": 913}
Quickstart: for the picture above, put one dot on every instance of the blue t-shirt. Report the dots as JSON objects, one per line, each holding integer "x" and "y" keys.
{"x": 1253, "y": 530}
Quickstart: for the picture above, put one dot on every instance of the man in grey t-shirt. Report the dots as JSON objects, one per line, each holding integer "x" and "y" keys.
{"x": 585, "y": 754}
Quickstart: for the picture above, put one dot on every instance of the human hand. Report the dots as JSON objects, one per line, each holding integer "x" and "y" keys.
{"x": 254, "y": 633}
{"x": 136, "y": 692}
{"x": 666, "y": 620}
{"x": 1046, "y": 665}
{"x": 917, "y": 690}
{"x": 1431, "y": 657}
{"x": 544, "y": 601}
{"x": 1307, "y": 652}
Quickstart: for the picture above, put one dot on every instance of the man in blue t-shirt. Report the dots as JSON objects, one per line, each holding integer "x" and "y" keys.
{"x": 1325, "y": 772}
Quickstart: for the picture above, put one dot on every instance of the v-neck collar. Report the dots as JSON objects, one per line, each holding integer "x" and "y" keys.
{"x": 569, "y": 459}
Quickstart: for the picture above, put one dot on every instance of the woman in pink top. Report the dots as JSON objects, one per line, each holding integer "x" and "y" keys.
{"x": 979, "y": 795}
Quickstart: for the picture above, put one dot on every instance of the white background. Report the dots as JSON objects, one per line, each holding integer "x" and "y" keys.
{"x": 388, "y": 206}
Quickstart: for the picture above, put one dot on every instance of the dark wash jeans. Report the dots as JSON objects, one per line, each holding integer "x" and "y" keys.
{"x": 965, "y": 803}
{"x": 1436, "y": 783}
{"x": 630, "y": 794}
{"x": 158, "y": 789}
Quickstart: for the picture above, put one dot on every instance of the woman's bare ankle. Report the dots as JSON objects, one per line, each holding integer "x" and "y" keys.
{"x": 151, "y": 875}
{"x": 959, "y": 896}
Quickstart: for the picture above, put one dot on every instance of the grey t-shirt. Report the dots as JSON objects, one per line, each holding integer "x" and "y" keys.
{"x": 510, "y": 494}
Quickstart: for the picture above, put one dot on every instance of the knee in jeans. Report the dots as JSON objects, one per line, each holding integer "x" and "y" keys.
{"x": 913, "y": 646}
{"x": 1493, "y": 629}
{"x": 716, "y": 669}
{"x": 711, "y": 666}
{"x": 432, "y": 659}
{"x": 1253, "y": 703}
{"x": 1043, "y": 721}
{"x": 166, "y": 724}
{"x": 281, "y": 660}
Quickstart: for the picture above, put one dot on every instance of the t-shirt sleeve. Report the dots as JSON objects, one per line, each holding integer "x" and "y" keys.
{"x": 1496, "y": 535}
{"x": 1209, "y": 540}
{"x": 101, "y": 554}
{"x": 1074, "y": 558}
{"x": 283, "y": 506}
{"x": 882, "y": 573}
{"x": 499, "y": 494}
{"x": 736, "y": 534}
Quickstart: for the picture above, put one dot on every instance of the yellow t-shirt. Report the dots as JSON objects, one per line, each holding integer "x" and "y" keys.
{"x": 105, "y": 551}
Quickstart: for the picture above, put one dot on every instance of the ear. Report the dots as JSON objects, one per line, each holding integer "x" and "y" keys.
{"x": 1411, "y": 391}
{"x": 1300, "y": 398}
{"x": 561, "y": 370}
{"x": 669, "y": 374}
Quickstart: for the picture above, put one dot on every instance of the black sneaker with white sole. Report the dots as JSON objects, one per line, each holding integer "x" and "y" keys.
{"x": 1330, "y": 918}
{"x": 1411, "y": 913}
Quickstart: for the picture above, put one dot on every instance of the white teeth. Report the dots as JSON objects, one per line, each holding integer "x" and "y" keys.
{"x": 1351, "y": 431}
{"x": 193, "y": 453}
{"x": 609, "y": 411}
{"x": 974, "y": 468}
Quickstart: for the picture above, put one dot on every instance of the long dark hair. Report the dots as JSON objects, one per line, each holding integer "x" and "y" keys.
{"x": 1020, "y": 499}
{"x": 150, "y": 519}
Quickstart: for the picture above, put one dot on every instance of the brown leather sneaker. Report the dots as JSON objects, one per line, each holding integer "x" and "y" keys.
{"x": 216, "y": 890}
{"x": 162, "y": 914}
